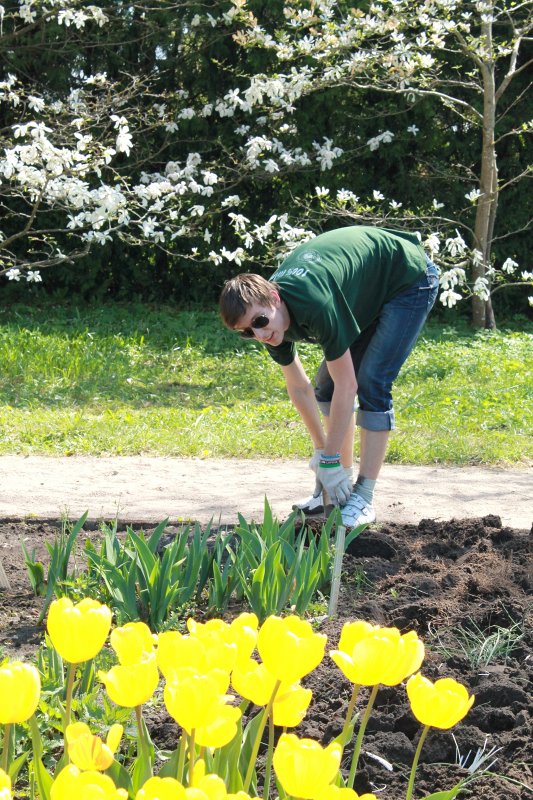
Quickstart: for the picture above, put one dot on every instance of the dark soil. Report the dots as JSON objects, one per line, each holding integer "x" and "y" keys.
{"x": 456, "y": 583}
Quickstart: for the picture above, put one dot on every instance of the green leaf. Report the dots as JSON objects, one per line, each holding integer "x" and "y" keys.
{"x": 16, "y": 765}
{"x": 248, "y": 739}
{"x": 170, "y": 767}
{"x": 153, "y": 541}
{"x": 43, "y": 778}
{"x": 449, "y": 794}
{"x": 354, "y": 534}
{"x": 142, "y": 770}
{"x": 120, "y": 776}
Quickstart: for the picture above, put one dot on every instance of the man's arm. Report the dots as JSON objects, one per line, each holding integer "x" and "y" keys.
{"x": 302, "y": 397}
{"x": 343, "y": 375}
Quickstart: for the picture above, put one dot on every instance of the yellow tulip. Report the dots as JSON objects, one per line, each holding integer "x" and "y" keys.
{"x": 133, "y": 642}
{"x": 221, "y": 729}
{"x": 369, "y": 655}
{"x": 131, "y": 685}
{"x": 212, "y": 634}
{"x": 20, "y": 688}
{"x": 193, "y": 698}
{"x": 303, "y": 767}
{"x": 289, "y": 647}
{"x": 333, "y": 792}
{"x": 254, "y": 682}
{"x": 441, "y": 704}
{"x": 175, "y": 651}
{"x": 88, "y": 752}
{"x": 78, "y": 632}
{"x": 290, "y": 705}
{"x": 243, "y": 632}
{"x": 71, "y": 782}
{"x": 161, "y": 789}
{"x": 211, "y": 785}
{"x": 5, "y": 786}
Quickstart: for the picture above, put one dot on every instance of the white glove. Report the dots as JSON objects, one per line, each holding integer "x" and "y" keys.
{"x": 334, "y": 479}
{"x": 314, "y": 464}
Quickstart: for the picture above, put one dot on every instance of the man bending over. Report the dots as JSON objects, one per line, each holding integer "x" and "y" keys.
{"x": 363, "y": 294}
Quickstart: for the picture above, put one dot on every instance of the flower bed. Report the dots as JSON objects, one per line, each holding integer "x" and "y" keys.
{"x": 438, "y": 579}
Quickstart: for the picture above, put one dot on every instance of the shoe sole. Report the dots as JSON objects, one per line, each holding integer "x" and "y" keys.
{"x": 317, "y": 511}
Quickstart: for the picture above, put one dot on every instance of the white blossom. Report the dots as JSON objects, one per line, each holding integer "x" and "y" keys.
{"x": 436, "y": 205}
{"x": 326, "y": 154}
{"x": 377, "y": 195}
{"x": 384, "y": 137}
{"x": 453, "y": 277}
{"x": 231, "y": 200}
{"x": 433, "y": 243}
{"x": 346, "y": 196}
{"x": 13, "y": 274}
{"x": 321, "y": 191}
{"x": 477, "y": 258}
{"x": 34, "y": 276}
{"x": 26, "y": 12}
{"x": 481, "y": 288}
{"x": 239, "y": 221}
{"x": 473, "y": 196}
{"x": 36, "y": 103}
{"x": 449, "y": 298}
{"x": 509, "y": 266}
{"x": 456, "y": 246}
{"x": 124, "y": 141}
{"x": 270, "y": 165}
{"x": 413, "y": 129}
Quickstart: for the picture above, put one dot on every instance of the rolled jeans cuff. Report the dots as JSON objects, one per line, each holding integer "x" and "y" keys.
{"x": 325, "y": 407}
{"x": 375, "y": 420}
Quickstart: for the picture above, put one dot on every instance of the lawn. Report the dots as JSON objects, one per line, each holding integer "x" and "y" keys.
{"x": 132, "y": 379}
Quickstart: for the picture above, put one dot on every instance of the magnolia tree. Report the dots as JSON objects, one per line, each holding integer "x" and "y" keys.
{"x": 110, "y": 158}
{"x": 465, "y": 55}
{"x": 71, "y": 173}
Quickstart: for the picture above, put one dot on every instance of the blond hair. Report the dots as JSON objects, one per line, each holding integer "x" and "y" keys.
{"x": 242, "y": 291}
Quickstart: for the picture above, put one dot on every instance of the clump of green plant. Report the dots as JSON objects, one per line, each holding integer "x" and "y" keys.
{"x": 280, "y": 567}
{"x": 58, "y": 578}
{"x": 143, "y": 583}
{"x": 479, "y": 647}
{"x": 271, "y": 566}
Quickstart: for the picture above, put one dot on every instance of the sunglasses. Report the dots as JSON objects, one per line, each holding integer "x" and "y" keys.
{"x": 261, "y": 321}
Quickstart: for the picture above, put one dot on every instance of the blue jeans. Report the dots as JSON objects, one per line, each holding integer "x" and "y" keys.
{"x": 380, "y": 350}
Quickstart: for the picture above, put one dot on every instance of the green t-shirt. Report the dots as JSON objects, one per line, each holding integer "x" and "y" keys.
{"x": 335, "y": 285}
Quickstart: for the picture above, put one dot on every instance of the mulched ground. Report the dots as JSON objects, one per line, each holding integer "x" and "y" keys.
{"x": 443, "y": 580}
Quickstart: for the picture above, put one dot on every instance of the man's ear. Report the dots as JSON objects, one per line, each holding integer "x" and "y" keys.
{"x": 275, "y": 297}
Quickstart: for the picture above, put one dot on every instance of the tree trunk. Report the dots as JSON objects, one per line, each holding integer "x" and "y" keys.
{"x": 488, "y": 184}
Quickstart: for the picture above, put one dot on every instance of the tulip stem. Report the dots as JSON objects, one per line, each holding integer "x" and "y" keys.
{"x": 270, "y": 754}
{"x": 415, "y": 763}
{"x": 255, "y": 750}
{"x": 140, "y": 730}
{"x": 192, "y": 754}
{"x": 360, "y": 734}
{"x": 71, "y": 673}
{"x": 5, "y": 746}
{"x": 349, "y": 714}
{"x": 181, "y": 757}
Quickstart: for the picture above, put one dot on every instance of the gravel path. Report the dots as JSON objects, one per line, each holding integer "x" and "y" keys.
{"x": 151, "y": 489}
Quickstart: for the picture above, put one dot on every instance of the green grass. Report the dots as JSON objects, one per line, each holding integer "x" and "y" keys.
{"x": 127, "y": 379}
